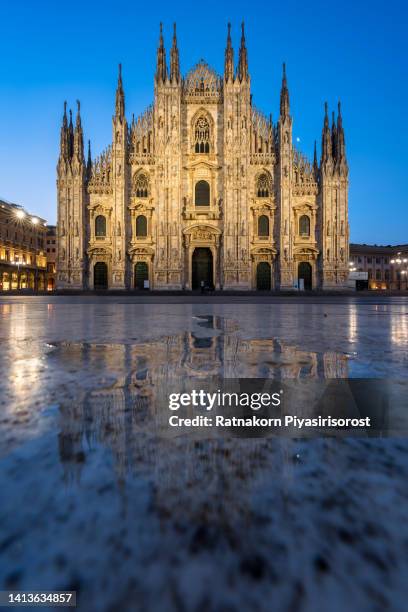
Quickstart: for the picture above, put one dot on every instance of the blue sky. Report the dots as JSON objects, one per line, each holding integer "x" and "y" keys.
{"x": 355, "y": 51}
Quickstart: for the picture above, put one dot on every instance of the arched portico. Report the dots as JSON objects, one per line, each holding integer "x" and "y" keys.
{"x": 142, "y": 267}
{"x": 305, "y": 262}
{"x": 263, "y": 265}
{"x": 200, "y": 236}
{"x": 100, "y": 268}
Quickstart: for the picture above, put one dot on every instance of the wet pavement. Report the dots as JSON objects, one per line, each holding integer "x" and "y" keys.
{"x": 96, "y": 501}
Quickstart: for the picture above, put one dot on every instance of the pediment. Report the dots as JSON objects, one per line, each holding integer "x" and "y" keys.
{"x": 306, "y": 250}
{"x": 200, "y": 227}
{"x": 204, "y": 163}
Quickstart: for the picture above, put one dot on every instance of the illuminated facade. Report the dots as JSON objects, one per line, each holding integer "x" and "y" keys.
{"x": 386, "y": 266}
{"x": 23, "y": 262}
{"x": 202, "y": 189}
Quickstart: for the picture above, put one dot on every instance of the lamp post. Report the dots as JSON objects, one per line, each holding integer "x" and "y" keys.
{"x": 401, "y": 267}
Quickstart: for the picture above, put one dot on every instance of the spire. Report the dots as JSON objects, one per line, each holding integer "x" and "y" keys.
{"x": 78, "y": 117}
{"x": 315, "y": 163}
{"x": 78, "y": 136}
{"x": 120, "y": 97}
{"x": 229, "y": 58}
{"x": 174, "y": 59}
{"x": 334, "y": 137}
{"x": 89, "y": 162}
{"x": 284, "y": 96}
{"x": 161, "y": 70}
{"x": 64, "y": 118}
{"x": 341, "y": 142}
{"x": 64, "y": 138}
{"x": 243, "y": 58}
{"x": 326, "y": 137}
{"x": 70, "y": 135}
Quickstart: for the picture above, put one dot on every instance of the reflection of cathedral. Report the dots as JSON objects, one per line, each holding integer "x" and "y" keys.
{"x": 138, "y": 403}
{"x": 202, "y": 188}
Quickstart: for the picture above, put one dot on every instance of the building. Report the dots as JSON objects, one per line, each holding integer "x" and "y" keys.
{"x": 51, "y": 256}
{"x": 22, "y": 249}
{"x": 202, "y": 188}
{"x": 386, "y": 266}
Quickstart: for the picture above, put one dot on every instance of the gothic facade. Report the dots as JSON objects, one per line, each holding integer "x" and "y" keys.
{"x": 202, "y": 189}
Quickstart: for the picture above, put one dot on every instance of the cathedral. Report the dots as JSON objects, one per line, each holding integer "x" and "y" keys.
{"x": 202, "y": 190}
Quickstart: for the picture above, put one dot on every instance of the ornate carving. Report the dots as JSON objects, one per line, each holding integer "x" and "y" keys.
{"x": 202, "y": 82}
{"x": 141, "y": 186}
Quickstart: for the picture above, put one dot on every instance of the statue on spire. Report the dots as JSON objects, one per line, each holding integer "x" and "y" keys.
{"x": 315, "y": 162}
{"x": 120, "y": 97}
{"x": 229, "y": 58}
{"x": 243, "y": 74}
{"x": 89, "y": 163}
{"x": 174, "y": 59}
{"x": 341, "y": 143}
{"x": 70, "y": 135}
{"x": 78, "y": 143}
{"x": 334, "y": 137}
{"x": 284, "y": 95}
{"x": 161, "y": 69}
{"x": 64, "y": 137}
{"x": 326, "y": 137}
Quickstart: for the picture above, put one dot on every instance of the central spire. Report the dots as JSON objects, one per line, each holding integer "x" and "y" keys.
{"x": 243, "y": 58}
{"x": 174, "y": 59}
{"x": 120, "y": 97}
{"x": 161, "y": 70}
{"x": 284, "y": 96}
{"x": 229, "y": 58}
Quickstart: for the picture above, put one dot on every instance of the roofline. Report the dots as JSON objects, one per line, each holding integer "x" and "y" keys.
{"x": 377, "y": 248}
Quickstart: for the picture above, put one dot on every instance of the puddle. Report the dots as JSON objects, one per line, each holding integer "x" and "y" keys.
{"x": 90, "y": 485}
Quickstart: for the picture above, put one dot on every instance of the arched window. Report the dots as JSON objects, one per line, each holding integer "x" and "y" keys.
{"x": 100, "y": 226}
{"x": 202, "y": 194}
{"x": 304, "y": 225}
{"x": 141, "y": 226}
{"x": 202, "y": 135}
{"x": 263, "y": 226}
{"x": 262, "y": 187}
{"x": 141, "y": 186}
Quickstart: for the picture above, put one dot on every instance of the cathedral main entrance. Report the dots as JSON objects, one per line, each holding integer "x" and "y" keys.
{"x": 100, "y": 275}
{"x": 305, "y": 272}
{"x": 202, "y": 268}
{"x": 141, "y": 274}
{"x": 263, "y": 276}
